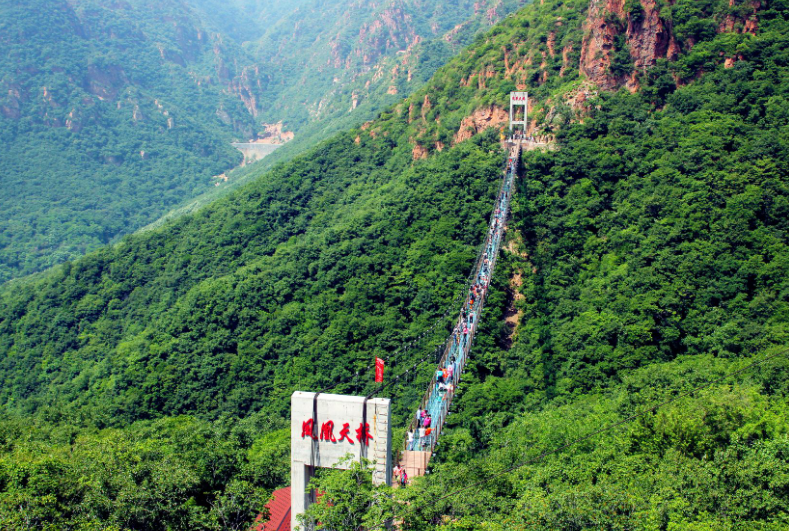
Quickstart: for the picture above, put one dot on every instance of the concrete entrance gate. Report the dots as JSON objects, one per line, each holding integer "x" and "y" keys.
{"x": 325, "y": 428}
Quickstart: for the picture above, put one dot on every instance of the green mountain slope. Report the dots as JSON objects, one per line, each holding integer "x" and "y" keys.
{"x": 114, "y": 114}
{"x": 649, "y": 248}
{"x": 110, "y": 116}
{"x": 650, "y": 254}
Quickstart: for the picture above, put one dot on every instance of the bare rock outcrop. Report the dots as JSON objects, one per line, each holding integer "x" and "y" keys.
{"x": 648, "y": 36}
{"x": 10, "y": 106}
{"x": 426, "y": 106}
{"x": 274, "y": 134}
{"x": 481, "y": 119}
{"x": 246, "y": 87}
{"x": 105, "y": 82}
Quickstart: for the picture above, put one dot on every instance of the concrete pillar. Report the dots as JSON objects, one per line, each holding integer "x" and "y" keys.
{"x": 300, "y": 498}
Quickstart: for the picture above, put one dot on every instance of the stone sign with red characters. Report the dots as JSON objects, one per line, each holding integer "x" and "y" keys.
{"x": 325, "y": 429}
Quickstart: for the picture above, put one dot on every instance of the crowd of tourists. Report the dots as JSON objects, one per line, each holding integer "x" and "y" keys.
{"x": 430, "y": 416}
{"x": 516, "y": 135}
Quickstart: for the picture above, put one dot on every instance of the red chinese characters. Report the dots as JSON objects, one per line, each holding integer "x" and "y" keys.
{"x": 363, "y": 434}
{"x": 308, "y": 429}
{"x": 327, "y": 431}
{"x": 346, "y": 428}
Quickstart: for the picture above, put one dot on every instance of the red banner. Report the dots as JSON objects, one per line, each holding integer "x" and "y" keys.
{"x": 379, "y": 370}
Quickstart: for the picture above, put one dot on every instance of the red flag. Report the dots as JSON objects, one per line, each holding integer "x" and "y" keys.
{"x": 379, "y": 370}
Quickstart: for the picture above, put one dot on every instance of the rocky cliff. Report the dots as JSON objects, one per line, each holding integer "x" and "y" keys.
{"x": 647, "y": 37}
{"x": 623, "y": 38}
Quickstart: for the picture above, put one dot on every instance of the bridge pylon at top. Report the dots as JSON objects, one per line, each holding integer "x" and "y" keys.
{"x": 519, "y": 99}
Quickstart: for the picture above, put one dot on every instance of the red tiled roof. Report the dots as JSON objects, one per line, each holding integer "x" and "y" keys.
{"x": 279, "y": 509}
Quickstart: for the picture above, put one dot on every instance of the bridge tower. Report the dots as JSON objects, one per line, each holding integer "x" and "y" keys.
{"x": 519, "y": 99}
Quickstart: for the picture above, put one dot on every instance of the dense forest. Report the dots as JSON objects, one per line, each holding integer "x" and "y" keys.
{"x": 146, "y": 385}
{"x": 103, "y": 125}
{"x": 652, "y": 251}
{"x": 113, "y": 114}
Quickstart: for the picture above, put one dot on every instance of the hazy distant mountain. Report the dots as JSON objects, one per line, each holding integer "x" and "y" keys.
{"x": 112, "y": 113}
{"x": 330, "y": 57}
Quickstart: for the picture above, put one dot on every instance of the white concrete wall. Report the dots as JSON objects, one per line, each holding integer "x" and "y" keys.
{"x": 307, "y": 453}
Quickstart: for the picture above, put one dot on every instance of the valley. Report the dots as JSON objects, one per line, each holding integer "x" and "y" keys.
{"x": 629, "y": 368}
{"x": 135, "y": 110}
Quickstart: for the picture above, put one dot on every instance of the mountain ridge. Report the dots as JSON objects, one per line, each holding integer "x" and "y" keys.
{"x": 114, "y": 114}
{"x": 654, "y": 247}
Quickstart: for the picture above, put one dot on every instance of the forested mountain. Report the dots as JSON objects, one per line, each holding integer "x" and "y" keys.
{"x": 113, "y": 113}
{"x": 145, "y": 385}
{"x": 110, "y": 114}
{"x": 363, "y": 53}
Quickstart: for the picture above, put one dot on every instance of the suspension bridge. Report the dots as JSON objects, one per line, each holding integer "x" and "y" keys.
{"x": 428, "y": 421}
{"x": 321, "y": 424}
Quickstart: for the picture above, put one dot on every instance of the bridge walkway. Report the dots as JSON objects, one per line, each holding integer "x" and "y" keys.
{"x": 427, "y": 423}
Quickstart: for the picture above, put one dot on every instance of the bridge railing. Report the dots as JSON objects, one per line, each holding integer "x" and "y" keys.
{"x": 457, "y": 347}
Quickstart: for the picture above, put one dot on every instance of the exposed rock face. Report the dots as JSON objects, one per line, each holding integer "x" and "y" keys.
{"x": 11, "y": 110}
{"x": 246, "y": 86}
{"x": 426, "y": 106}
{"x": 551, "y": 43}
{"x": 750, "y": 24}
{"x": 274, "y": 134}
{"x": 390, "y": 30}
{"x": 480, "y": 120}
{"x": 419, "y": 152}
{"x": 451, "y": 36}
{"x": 10, "y": 104}
{"x": 106, "y": 82}
{"x": 566, "y": 51}
{"x": 648, "y": 36}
